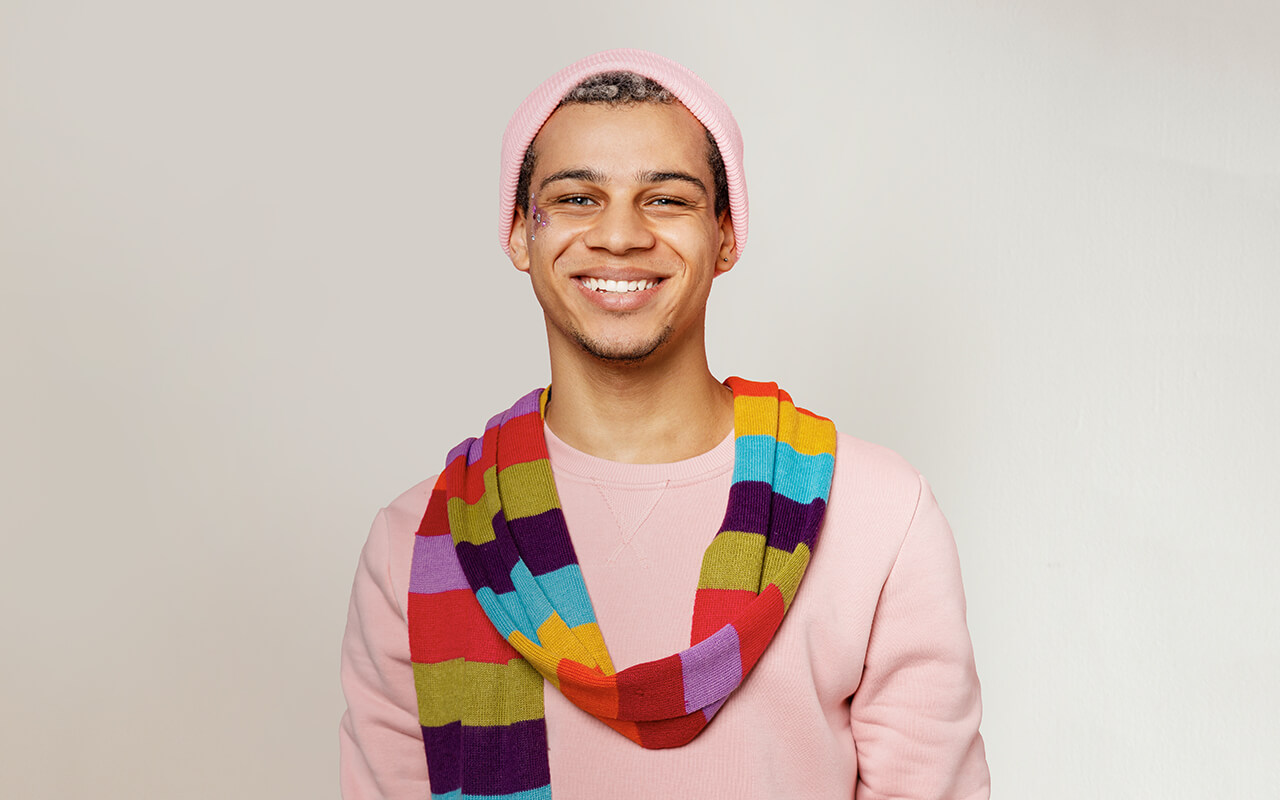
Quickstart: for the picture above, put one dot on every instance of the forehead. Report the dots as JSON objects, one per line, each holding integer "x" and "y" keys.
{"x": 619, "y": 140}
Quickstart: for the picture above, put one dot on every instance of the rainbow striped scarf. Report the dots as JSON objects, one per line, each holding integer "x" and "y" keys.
{"x": 497, "y": 603}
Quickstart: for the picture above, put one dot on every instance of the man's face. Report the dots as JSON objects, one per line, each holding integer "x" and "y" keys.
{"x": 621, "y": 240}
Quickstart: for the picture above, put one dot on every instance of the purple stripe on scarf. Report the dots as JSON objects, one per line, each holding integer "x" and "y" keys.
{"x": 494, "y": 563}
{"x": 462, "y": 447}
{"x": 443, "y": 744}
{"x": 435, "y": 566}
{"x": 711, "y": 668}
{"x": 794, "y": 523}
{"x": 525, "y": 405}
{"x": 543, "y": 541}
{"x": 748, "y": 507}
{"x": 710, "y": 711}
{"x": 475, "y": 451}
{"x": 521, "y": 763}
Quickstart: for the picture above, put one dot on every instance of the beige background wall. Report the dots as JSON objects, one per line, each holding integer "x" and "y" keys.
{"x": 250, "y": 279}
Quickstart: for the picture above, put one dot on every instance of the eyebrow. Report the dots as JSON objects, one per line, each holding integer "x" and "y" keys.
{"x": 595, "y": 176}
{"x": 574, "y": 174}
{"x": 654, "y": 176}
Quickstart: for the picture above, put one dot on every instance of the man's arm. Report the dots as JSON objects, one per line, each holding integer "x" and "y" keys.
{"x": 916, "y": 711}
{"x": 380, "y": 741}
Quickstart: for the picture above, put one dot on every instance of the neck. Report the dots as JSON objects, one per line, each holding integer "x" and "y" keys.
{"x": 649, "y": 413}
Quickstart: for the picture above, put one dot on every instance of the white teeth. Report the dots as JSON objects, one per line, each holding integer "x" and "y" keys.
{"x": 618, "y": 287}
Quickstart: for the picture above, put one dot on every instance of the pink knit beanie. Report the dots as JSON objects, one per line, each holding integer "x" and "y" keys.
{"x": 689, "y": 89}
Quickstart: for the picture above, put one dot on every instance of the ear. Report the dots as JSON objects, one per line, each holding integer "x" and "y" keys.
{"x": 517, "y": 242}
{"x": 726, "y": 257}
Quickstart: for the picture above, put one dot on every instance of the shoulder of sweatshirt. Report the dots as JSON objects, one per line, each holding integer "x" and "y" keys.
{"x": 872, "y": 473}
{"x": 406, "y": 510}
{"x": 875, "y": 497}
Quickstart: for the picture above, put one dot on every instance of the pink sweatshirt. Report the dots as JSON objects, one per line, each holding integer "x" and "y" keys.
{"x": 867, "y": 691}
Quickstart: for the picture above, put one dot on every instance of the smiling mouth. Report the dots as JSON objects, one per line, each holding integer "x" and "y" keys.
{"x": 619, "y": 287}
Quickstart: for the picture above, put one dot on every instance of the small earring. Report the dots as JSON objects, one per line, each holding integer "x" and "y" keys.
{"x": 726, "y": 258}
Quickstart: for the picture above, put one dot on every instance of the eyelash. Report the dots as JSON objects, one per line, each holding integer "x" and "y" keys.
{"x": 582, "y": 200}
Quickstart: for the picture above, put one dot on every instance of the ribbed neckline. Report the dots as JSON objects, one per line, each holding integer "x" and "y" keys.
{"x": 573, "y": 462}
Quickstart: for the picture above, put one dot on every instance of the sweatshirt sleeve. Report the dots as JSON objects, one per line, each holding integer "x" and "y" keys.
{"x": 380, "y": 741}
{"x": 916, "y": 711}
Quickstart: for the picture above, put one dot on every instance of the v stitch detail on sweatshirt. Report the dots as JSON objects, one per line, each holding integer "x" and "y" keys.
{"x": 627, "y": 528}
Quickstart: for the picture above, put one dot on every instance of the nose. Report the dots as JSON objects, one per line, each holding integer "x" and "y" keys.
{"x": 619, "y": 228}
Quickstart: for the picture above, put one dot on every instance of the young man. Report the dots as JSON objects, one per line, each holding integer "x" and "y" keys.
{"x": 644, "y": 582}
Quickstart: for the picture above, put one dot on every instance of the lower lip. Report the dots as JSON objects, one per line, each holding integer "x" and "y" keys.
{"x": 619, "y": 301}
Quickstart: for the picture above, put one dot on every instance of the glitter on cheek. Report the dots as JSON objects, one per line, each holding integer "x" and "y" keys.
{"x": 539, "y": 221}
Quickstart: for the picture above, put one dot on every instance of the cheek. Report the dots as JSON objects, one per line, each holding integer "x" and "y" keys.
{"x": 697, "y": 243}
{"x": 549, "y": 239}
{"x": 543, "y": 292}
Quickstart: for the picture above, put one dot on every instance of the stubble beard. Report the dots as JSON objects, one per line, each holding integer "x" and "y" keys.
{"x": 622, "y": 353}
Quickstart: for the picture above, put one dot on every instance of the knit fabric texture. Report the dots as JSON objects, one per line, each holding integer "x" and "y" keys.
{"x": 497, "y": 602}
{"x": 701, "y": 100}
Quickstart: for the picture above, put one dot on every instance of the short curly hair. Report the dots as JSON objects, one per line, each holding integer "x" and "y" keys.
{"x": 624, "y": 88}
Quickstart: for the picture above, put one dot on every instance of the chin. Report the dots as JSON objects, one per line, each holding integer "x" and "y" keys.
{"x": 629, "y": 352}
